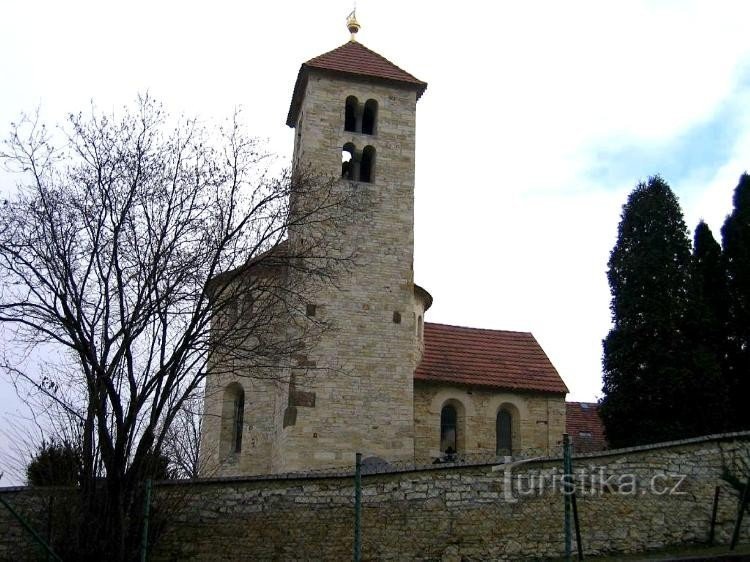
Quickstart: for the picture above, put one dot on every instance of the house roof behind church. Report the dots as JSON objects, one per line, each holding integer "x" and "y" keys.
{"x": 491, "y": 358}
{"x": 353, "y": 59}
{"x": 583, "y": 424}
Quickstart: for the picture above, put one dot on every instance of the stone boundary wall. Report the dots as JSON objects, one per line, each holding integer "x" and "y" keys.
{"x": 629, "y": 500}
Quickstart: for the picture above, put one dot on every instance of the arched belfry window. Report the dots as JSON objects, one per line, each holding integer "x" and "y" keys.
{"x": 504, "y": 432}
{"x": 348, "y": 168}
{"x": 232, "y": 419}
{"x": 369, "y": 116}
{"x": 350, "y": 114}
{"x": 360, "y": 118}
{"x": 367, "y": 165}
{"x": 358, "y": 166}
{"x": 448, "y": 430}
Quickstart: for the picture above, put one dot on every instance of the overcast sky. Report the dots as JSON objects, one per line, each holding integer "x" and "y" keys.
{"x": 538, "y": 120}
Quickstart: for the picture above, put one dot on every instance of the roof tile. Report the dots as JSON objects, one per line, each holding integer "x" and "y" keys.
{"x": 583, "y": 424}
{"x": 493, "y": 358}
{"x": 354, "y": 59}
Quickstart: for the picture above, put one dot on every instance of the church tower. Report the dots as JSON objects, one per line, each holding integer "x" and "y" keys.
{"x": 354, "y": 115}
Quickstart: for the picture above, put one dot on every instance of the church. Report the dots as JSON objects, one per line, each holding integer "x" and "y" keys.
{"x": 418, "y": 392}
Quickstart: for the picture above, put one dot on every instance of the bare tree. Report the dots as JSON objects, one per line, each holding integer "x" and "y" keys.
{"x": 148, "y": 250}
{"x": 183, "y": 439}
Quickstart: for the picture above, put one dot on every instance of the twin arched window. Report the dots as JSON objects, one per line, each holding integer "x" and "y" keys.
{"x": 450, "y": 430}
{"x": 360, "y": 118}
{"x": 356, "y": 165}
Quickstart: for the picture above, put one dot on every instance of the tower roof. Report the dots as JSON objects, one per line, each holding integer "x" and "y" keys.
{"x": 352, "y": 59}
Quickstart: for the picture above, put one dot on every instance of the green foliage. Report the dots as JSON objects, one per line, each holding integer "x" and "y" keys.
{"x": 657, "y": 384}
{"x": 648, "y": 265}
{"x": 706, "y": 331}
{"x": 709, "y": 287}
{"x": 56, "y": 463}
{"x": 736, "y": 242}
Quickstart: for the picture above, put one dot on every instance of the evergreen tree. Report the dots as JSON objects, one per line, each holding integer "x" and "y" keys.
{"x": 56, "y": 463}
{"x": 709, "y": 287}
{"x": 736, "y": 242}
{"x": 706, "y": 335}
{"x": 653, "y": 379}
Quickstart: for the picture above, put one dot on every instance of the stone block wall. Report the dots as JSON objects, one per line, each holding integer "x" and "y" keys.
{"x": 538, "y": 420}
{"x": 464, "y": 513}
{"x": 357, "y": 393}
{"x": 365, "y": 363}
{"x": 629, "y": 501}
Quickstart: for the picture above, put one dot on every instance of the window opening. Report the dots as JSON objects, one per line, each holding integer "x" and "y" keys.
{"x": 504, "y": 432}
{"x": 239, "y": 413}
{"x": 347, "y": 162}
{"x": 369, "y": 116}
{"x": 350, "y": 114}
{"x": 366, "y": 167}
{"x": 448, "y": 430}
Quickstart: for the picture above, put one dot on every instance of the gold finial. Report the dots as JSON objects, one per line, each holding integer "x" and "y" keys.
{"x": 352, "y": 24}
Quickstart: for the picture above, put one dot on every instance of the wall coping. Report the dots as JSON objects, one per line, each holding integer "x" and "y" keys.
{"x": 349, "y": 473}
{"x": 665, "y": 444}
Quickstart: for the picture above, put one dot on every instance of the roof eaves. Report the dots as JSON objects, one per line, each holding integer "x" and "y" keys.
{"x": 499, "y": 386}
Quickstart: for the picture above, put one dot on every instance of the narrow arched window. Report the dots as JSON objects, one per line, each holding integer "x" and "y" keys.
{"x": 448, "y": 430}
{"x": 367, "y": 165}
{"x": 239, "y": 414}
{"x": 369, "y": 117}
{"x": 419, "y": 327}
{"x": 504, "y": 432}
{"x": 232, "y": 419}
{"x": 347, "y": 162}
{"x": 350, "y": 114}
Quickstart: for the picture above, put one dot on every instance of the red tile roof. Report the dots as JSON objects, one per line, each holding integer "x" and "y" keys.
{"x": 493, "y": 358}
{"x": 353, "y": 59}
{"x": 583, "y": 424}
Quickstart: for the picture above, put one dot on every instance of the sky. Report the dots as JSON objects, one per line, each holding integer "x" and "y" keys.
{"x": 538, "y": 120}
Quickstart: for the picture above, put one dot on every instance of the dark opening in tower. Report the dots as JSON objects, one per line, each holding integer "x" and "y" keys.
{"x": 350, "y": 114}
{"x": 369, "y": 117}
{"x": 367, "y": 165}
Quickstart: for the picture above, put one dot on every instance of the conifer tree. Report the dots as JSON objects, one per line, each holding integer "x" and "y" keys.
{"x": 651, "y": 384}
{"x": 706, "y": 335}
{"x": 709, "y": 288}
{"x": 736, "y": 242}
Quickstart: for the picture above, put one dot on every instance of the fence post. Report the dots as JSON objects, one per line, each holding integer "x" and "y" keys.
{"x": 146, "y": 510}
{"x": 566, "y": 496}
{"x": 713, "y": 516}
{"x": 358, "y": 509}
{"x": 740, "y": 512}
{"x": 574, "y": 502}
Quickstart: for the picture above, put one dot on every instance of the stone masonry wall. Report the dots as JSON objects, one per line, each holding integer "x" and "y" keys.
{"x": 358, "y": 391}
{"x": 363, "y": 383}
{"x": 442, "y": 512}
{"x": 538, "y": 420}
